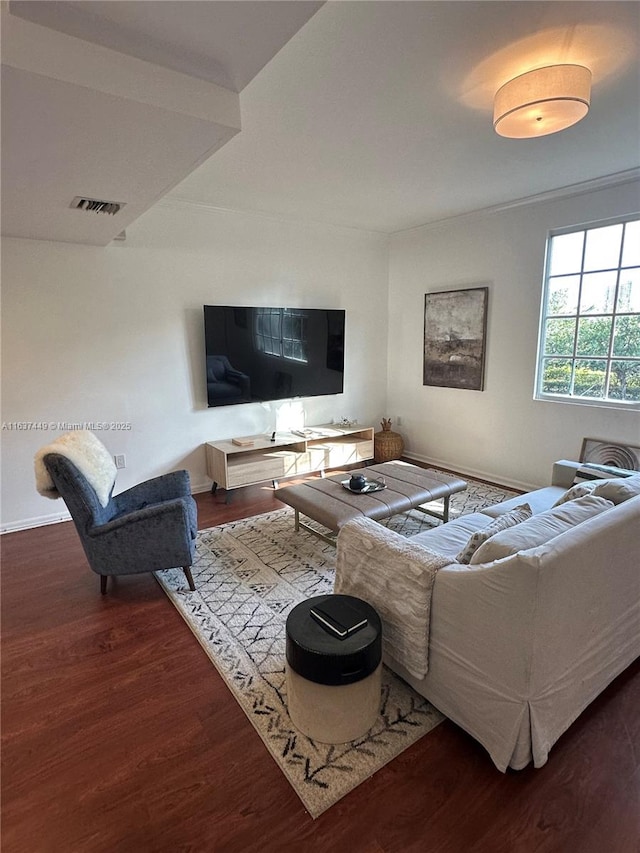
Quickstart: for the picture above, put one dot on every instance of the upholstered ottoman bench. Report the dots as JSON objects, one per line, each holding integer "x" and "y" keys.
{"x": 406, "y": 487}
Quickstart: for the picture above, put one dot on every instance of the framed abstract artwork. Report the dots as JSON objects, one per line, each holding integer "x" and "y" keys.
{"x": 455, "y": 330}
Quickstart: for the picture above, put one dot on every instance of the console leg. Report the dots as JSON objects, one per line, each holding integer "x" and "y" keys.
{"x": 214, "y": 488}
{"x": 274, "y": 483}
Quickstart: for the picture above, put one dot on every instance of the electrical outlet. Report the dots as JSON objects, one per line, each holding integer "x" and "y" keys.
{"x": 120, "y": 460}
{"x": 399, "y": 421}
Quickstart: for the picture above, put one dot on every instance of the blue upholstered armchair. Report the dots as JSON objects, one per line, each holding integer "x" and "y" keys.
{"x": 149, "y": 527}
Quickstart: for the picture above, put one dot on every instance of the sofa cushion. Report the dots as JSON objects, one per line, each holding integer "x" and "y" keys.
{"x": 614, "y": 489}
{"x": 618, "y": 490}
{"x": 539, "y": 501}
{"x": 447, "y": 539}
{"x": 577, "y": 491}
{"x": 503, "y": 522}
{"x": 540, "y": 528}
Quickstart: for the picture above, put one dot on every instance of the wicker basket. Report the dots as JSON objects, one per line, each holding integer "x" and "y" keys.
{"x": 387, "y": 445}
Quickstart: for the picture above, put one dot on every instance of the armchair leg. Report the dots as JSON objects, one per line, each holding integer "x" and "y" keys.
{"x": 187, "y": 571}
{"x": 103, "y": 584}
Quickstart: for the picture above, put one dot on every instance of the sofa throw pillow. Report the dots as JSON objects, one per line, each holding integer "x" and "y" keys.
{"x": 578, "y": 491}
{"x": 540, "y": 528}
{"x": 618, "y": 490}
{"x": 502, "y": 522}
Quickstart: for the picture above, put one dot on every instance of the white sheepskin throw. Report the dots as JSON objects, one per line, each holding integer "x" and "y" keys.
{"x": 89, "y": 456}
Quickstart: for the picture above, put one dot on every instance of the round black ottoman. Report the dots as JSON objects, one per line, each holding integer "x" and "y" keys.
{"x": 333, "y": 681}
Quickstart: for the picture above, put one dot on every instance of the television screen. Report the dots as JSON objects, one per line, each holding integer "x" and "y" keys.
{"x": 259, "y": 354}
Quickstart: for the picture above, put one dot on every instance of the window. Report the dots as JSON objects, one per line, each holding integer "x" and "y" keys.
{"x": 282, "y": 332}
{"x": 589, "y": 346}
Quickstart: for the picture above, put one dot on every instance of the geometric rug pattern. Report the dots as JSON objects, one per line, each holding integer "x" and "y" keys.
{"x": 249, "y": 574}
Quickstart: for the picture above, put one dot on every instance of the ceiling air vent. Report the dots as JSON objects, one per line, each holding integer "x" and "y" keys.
{"x": 97, "y": 205}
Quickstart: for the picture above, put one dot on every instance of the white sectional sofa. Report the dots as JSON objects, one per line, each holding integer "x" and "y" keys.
{"x": 513, "y": 646}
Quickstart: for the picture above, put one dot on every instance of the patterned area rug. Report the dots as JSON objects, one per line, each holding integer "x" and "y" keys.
{"x": 249, "y": 574}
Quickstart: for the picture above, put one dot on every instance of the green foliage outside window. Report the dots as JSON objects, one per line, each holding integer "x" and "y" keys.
{"x": 590, "y": 346}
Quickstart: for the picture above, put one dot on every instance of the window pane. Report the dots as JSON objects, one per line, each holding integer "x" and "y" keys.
{"x": 626, "y": 339}
{"x": 288, "y": 349}
{"x": 589, "y": 379}
{"x": 602, "y": 249}
{"x": 563, "y": 295}
{"x": 556, "y": 376}
{"x": 598, "y": 293}
{"x": 294, "y": 350}
{"x": 267, "y": 335}
{"x": 629, "y": 290}
{"x": 274, "y": 325}
{"x": 631, "y": 249}
{"x": 566, "y": 253}
{"x": 594, "y": 334}
{"x": 559, "y": 337}
{"x": 293, "y": 328}
{"x": 625, "y": 381}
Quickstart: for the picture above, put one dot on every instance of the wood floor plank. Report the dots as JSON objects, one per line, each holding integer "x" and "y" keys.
{"x": 119, "y": 735}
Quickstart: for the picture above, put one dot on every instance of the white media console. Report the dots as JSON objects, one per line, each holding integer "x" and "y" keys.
{"x": 327, "y": 446}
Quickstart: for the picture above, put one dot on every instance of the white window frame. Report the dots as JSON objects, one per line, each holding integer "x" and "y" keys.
{"x": 546, "y": 396}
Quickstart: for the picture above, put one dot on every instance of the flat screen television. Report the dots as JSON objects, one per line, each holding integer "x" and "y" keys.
{"x": 260, "y": 354}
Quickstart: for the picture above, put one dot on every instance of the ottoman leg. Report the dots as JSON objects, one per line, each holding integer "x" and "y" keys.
{"x": 445, "y": 510}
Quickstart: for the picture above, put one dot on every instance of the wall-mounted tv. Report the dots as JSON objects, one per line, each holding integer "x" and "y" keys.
{"x": 259, "y": 354}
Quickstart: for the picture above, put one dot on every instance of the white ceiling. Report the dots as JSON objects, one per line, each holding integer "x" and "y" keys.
{"x": 226, "y": 42}
{"x": 375, "y": 115}
{"x": 100, "y": 100}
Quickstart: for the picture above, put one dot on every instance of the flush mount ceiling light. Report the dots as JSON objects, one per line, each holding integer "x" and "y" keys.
{"x": 542, "y": 101}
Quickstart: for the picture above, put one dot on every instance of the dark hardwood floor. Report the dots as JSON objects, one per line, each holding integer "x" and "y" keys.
{"x": 119, "y": 735}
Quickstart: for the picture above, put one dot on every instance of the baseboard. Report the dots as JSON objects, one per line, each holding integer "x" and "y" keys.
{"x": 199, "y": 488}
{"x": 490, "y": 477}
{"x": 37, "y": 521}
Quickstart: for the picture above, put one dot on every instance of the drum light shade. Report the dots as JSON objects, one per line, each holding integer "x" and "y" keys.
{"x": 542, "y": 101}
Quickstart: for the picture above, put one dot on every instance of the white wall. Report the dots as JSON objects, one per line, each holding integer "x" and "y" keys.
{"x": 500, "y": 433}
{"x": 115, "y": 334}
